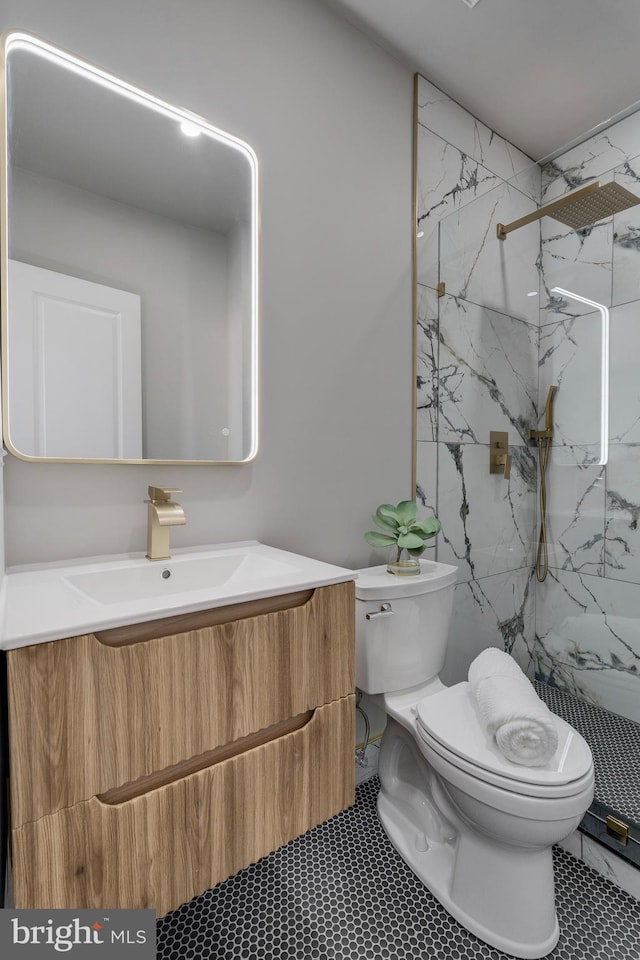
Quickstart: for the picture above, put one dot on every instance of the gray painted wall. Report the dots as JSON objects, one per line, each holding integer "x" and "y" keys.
{"x": 330, "y": 116}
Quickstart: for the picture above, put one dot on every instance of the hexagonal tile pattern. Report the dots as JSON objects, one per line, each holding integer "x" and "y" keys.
{"x": 614, "y": 742}
{"x": 341, "y": 892}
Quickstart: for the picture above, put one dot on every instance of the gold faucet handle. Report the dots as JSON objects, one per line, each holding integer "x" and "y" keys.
{"x": 162, "y": 494}
{"x": 499, "y": 456}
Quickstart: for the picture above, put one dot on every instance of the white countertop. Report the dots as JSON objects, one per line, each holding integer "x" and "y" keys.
{"x": 39, "y": 603}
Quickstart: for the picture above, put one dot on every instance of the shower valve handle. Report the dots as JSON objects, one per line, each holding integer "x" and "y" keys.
{"x": 505, "y": 461}
{"x": 499, "y": 456}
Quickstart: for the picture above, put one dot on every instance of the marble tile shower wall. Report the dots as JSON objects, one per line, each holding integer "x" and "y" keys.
{"x": 477, "y": 371}
{"x": 588, "y": 610}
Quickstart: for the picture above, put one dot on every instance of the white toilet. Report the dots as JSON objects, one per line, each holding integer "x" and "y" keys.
{"x": 475, "y": 827}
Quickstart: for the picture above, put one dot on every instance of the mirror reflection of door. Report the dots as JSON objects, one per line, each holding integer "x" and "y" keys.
{"x": 75, "y": 389}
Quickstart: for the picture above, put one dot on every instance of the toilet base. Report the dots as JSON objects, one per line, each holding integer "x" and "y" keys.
{"x": 503, "y": 894}
{"x": 435, "y": 867}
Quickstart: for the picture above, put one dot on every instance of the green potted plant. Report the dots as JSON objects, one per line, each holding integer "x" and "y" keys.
{"x": 402, "y": 531}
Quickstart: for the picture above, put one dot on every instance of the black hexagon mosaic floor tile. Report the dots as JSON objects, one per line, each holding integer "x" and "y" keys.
{"x": 341, "y": 892}
{"x": 614, "y": 742}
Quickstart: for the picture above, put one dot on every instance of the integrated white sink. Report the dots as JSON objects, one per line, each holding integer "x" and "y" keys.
{"x": 139, "y": 580}
{"x": 52, "y": 601}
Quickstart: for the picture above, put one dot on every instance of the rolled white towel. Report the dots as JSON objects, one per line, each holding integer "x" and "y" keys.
{"x": 513, "y": 713}
{"x": 494, "y": 663}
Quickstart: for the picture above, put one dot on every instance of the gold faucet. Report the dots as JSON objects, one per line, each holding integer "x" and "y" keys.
{"x": 163, "y": 513}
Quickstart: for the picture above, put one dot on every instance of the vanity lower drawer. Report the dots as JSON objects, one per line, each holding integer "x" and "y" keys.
{"x": 87, "y": 715}
{"x": 175, "y": 841}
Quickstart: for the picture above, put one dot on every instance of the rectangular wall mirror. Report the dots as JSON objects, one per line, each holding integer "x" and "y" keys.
{"x": 129, "y": 271}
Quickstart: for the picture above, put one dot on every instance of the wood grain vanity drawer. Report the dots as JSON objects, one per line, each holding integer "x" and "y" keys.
{"x": 86, "y": 716}
{"x": 177, "y": 840}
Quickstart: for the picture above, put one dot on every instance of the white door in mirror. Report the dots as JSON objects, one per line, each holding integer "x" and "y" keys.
{"x": 75, "y": 373}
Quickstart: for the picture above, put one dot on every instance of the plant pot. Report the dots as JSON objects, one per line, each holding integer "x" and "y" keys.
{"x": 402, "y": 564}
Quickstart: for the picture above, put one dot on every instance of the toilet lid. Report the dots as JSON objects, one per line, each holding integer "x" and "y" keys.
{"x": 451, "y": 717}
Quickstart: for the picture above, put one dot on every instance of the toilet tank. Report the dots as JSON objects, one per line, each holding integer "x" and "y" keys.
{"x": 402, "y": 625}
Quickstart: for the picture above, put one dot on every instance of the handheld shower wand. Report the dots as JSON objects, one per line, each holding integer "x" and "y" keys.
{"x": 547, "y": 433}
{"x": 543, "y": 439}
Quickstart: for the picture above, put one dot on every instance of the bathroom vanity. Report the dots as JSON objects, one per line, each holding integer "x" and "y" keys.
{"x": 169, "y": 722}
{"x": 151, "y": 758}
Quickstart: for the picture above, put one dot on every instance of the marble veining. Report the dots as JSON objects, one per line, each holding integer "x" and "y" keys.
{"x": 477, "y": 371}
{"x": 427, "y": 479}
{"x": 427, "y": 365}
{"x": 626, "y": 239}
{"x": 476, "y": 266}
{"x": 622, "y": 512}
{"x": 588, "y": 639}
{"x": 450, "y": 121}
{"x": 575, "y": 516}
{"x": 501, "y": 610}
{"x": 624, "y": 349}
{"x": 599, "y": 261}
{"x": 561, "y": 176}
{"x": 487, "y": 521}
{"x": 447, "y": 178}
{"x": 577, "y": 260}
{"x": 570, "y": 357}
{"x": 613, "y": 868}
{"x": 487, "y": 373}
{"x": 592, "y": 159}
{"x": 515, "y": 624}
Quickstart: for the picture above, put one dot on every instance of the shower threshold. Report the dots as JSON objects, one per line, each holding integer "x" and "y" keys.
{"x": 597, "y": 823}
{"x": 615, "y": 744}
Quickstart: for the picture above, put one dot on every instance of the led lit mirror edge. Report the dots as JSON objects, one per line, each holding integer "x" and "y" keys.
{"x": 20, "y": 38}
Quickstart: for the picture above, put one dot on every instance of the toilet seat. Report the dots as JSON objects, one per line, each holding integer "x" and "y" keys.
{"x": 450, "y": 723}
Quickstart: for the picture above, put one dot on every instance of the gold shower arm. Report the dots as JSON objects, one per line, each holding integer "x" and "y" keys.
{"x": 503, "y": 229}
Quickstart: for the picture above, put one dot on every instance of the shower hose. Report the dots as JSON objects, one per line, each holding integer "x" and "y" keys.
{"x": 542, "y": 557}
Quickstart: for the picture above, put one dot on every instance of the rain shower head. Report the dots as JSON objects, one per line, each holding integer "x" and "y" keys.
{"x": 580, "y": 209}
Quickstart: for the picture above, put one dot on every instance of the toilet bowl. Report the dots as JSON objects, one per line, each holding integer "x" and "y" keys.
{"x": 476, "y": 828}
